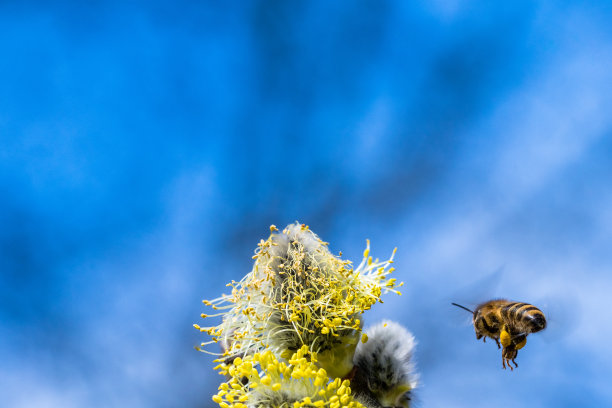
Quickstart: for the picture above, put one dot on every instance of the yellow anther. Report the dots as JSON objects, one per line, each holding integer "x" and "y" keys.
{"x": 297, "y": 373}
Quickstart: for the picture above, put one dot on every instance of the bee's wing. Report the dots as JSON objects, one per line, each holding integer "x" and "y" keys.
{"x": 470, "y": 295}
{"x": 458, "y": 317}
{"x": 480, "y": 287}
{"x": 460, "y": 302}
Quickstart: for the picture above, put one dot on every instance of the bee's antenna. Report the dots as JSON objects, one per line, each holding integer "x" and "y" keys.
{"x": 463, "y": 307}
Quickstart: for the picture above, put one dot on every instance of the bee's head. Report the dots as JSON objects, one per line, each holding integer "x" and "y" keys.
{"x": 479, "y": 325}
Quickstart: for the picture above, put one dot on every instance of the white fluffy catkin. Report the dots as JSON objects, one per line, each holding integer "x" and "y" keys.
{"x": 385, "y": 371}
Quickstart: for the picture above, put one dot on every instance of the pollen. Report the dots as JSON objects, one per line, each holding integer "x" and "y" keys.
{"x": 299, "y": 303}
{"x": 301, "y": 379}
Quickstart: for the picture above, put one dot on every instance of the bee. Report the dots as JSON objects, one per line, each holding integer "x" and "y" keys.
{"x": 507, "y": 323}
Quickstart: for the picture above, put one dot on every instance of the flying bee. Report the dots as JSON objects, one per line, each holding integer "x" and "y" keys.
{"x": 507, "y": 323}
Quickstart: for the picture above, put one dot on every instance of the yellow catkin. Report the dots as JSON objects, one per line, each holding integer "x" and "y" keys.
{"x": 320, "y": 306}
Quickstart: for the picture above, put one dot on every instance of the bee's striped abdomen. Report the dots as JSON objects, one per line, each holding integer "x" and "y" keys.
{"x": 527, "y": 317}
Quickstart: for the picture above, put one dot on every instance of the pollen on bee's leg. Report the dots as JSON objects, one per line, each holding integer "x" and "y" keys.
{"x": 505, "y": 338}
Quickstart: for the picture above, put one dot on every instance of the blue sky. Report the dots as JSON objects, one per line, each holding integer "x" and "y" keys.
{"x": 145, "y": 148}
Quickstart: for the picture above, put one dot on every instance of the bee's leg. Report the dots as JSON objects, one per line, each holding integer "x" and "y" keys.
{"x": 504, "y": 360}
{"x": 484, "y": 339}
{"x": 497, "y": 341}
{"x": 508, "y": 355}
{"x": 509, "y": 365}
{"x": 515, "y": 364}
